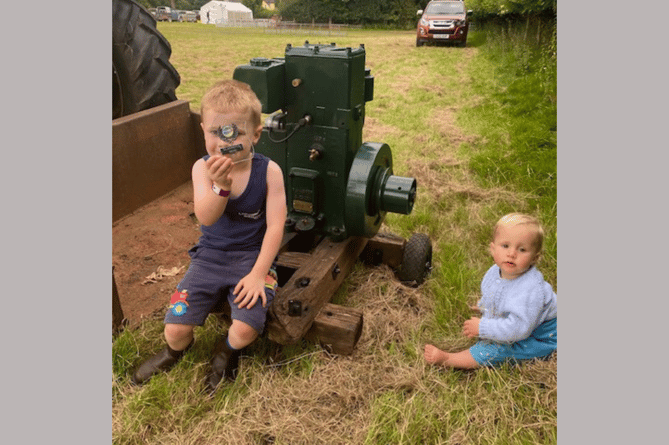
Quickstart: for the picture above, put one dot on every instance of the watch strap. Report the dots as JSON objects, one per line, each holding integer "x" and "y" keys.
{"x": 219, "y": 191}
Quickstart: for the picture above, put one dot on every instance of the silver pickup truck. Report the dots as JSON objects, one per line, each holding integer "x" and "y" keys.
{"x": 166, "y": 14}
{"x": 187, "y": 16}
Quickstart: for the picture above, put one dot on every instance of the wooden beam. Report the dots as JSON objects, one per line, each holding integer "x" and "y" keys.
{"x": 337, "y": 328}
{"x": 299, "y": 301}
{"x": 384, "y": 248}
{"x": 294, "y": 260}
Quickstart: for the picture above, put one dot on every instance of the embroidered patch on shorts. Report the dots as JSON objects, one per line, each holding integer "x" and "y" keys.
{"x": 178, "y": 303}
{"x": 271, "y": 280}
{"x": 179, "y": 309}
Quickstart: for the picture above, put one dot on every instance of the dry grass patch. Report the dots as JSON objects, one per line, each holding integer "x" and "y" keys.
{"x": 443, "y": 120}
{"x": 444, "y": 177}
{"x": 392, "y": 312}
{"x": 375, "y": 130}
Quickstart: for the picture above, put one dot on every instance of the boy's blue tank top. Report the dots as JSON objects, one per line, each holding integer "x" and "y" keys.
{"x": 243, "y": 224}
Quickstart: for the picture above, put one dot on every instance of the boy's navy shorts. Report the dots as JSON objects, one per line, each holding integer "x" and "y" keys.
{"x": 211, "y": 276}
{"x": 540, "y": 343}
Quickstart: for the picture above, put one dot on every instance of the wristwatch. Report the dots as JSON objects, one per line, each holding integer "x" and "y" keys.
{"x": 219, "y": 191}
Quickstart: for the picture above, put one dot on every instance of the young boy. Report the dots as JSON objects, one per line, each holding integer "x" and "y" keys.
{"x": 240, "y": 201}
{"x": 519, "y": 308}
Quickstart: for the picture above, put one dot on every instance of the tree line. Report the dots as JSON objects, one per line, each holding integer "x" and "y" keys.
{"x": 400, "y": 14}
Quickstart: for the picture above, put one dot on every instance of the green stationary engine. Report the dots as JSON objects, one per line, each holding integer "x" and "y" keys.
{"x": 336, "y": 184}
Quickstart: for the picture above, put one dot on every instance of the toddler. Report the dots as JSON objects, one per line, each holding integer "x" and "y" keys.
{"x": 240, "y": 201}
{"x": 518, "y": 308}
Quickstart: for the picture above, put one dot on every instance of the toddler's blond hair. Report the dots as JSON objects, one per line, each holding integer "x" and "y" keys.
{"x": 232, "y": 95}
{"x": 514, "y": 219}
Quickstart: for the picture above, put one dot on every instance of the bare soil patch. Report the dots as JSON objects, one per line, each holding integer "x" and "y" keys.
{"x": 147, "y": 246}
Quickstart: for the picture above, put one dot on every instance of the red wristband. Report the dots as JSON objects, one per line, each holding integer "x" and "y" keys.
{"x": 219, "y": 191}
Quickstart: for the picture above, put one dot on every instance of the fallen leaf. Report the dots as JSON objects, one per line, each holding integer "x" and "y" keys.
{"x": 161, "y": 273}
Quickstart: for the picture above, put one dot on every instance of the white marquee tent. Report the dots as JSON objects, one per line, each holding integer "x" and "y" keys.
{"x": 221, "y": 12}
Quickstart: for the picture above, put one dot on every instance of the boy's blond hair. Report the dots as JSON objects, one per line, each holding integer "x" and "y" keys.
{"x": 232, "y": 95}
{"x": 513, "y": 219}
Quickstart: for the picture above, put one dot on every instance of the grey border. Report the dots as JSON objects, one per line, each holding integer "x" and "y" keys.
{"x": 612, "y": 224}
{"x": 56, "y": 237}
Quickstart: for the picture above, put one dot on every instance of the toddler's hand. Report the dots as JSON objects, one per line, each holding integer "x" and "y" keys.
{"x": 471, "y": 327}
{"x": 247, "y": 292}
{"x": 218, "y": 170}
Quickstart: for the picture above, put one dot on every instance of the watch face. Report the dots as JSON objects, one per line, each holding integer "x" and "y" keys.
{"x": 227, "y": 133}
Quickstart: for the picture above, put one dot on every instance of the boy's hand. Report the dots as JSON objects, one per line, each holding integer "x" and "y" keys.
{"x": 218, "y": 170}
{"x": 248, "y": 290}
{"x": 471, "y": 327}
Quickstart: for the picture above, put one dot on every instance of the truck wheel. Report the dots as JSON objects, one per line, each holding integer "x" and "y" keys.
{"x": 142, "y": 76}
{"x": 416, "y": 260}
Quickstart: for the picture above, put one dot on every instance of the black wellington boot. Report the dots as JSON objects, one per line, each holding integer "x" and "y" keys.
{"x": 163, "y": 361}
{"x": 224, "y": 364}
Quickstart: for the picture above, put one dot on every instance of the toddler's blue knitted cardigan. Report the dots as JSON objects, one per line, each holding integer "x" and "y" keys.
{"x": 512, "y": 309}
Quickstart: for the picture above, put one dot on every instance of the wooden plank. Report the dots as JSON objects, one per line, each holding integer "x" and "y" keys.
{"x": 117, "y": 310}
{"x": 294, "y": 260}
{"x": 153, "y": 152}
{"x": 337, "y": 328}
{"x": 299, "y": 301}
{"x": 384, "y": 248}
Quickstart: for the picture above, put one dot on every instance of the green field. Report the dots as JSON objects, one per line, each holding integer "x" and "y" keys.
{"x": 480, "y": 136}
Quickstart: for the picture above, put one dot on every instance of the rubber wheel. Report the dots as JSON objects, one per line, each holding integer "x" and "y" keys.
{"x": 416, "y": 260}
{"x": 142, "y": 76}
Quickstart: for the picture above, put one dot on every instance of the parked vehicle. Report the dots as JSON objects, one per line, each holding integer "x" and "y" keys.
{"x": 166, "y": 14}
{"x": 187, "y": 16}
{"x": 443, "y": 22}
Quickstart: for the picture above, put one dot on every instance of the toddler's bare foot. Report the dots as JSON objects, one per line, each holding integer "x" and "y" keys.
{"x": 435, "y": 355}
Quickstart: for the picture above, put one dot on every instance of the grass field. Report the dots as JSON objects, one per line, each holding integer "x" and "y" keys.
{"x": 480, "y": 137}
